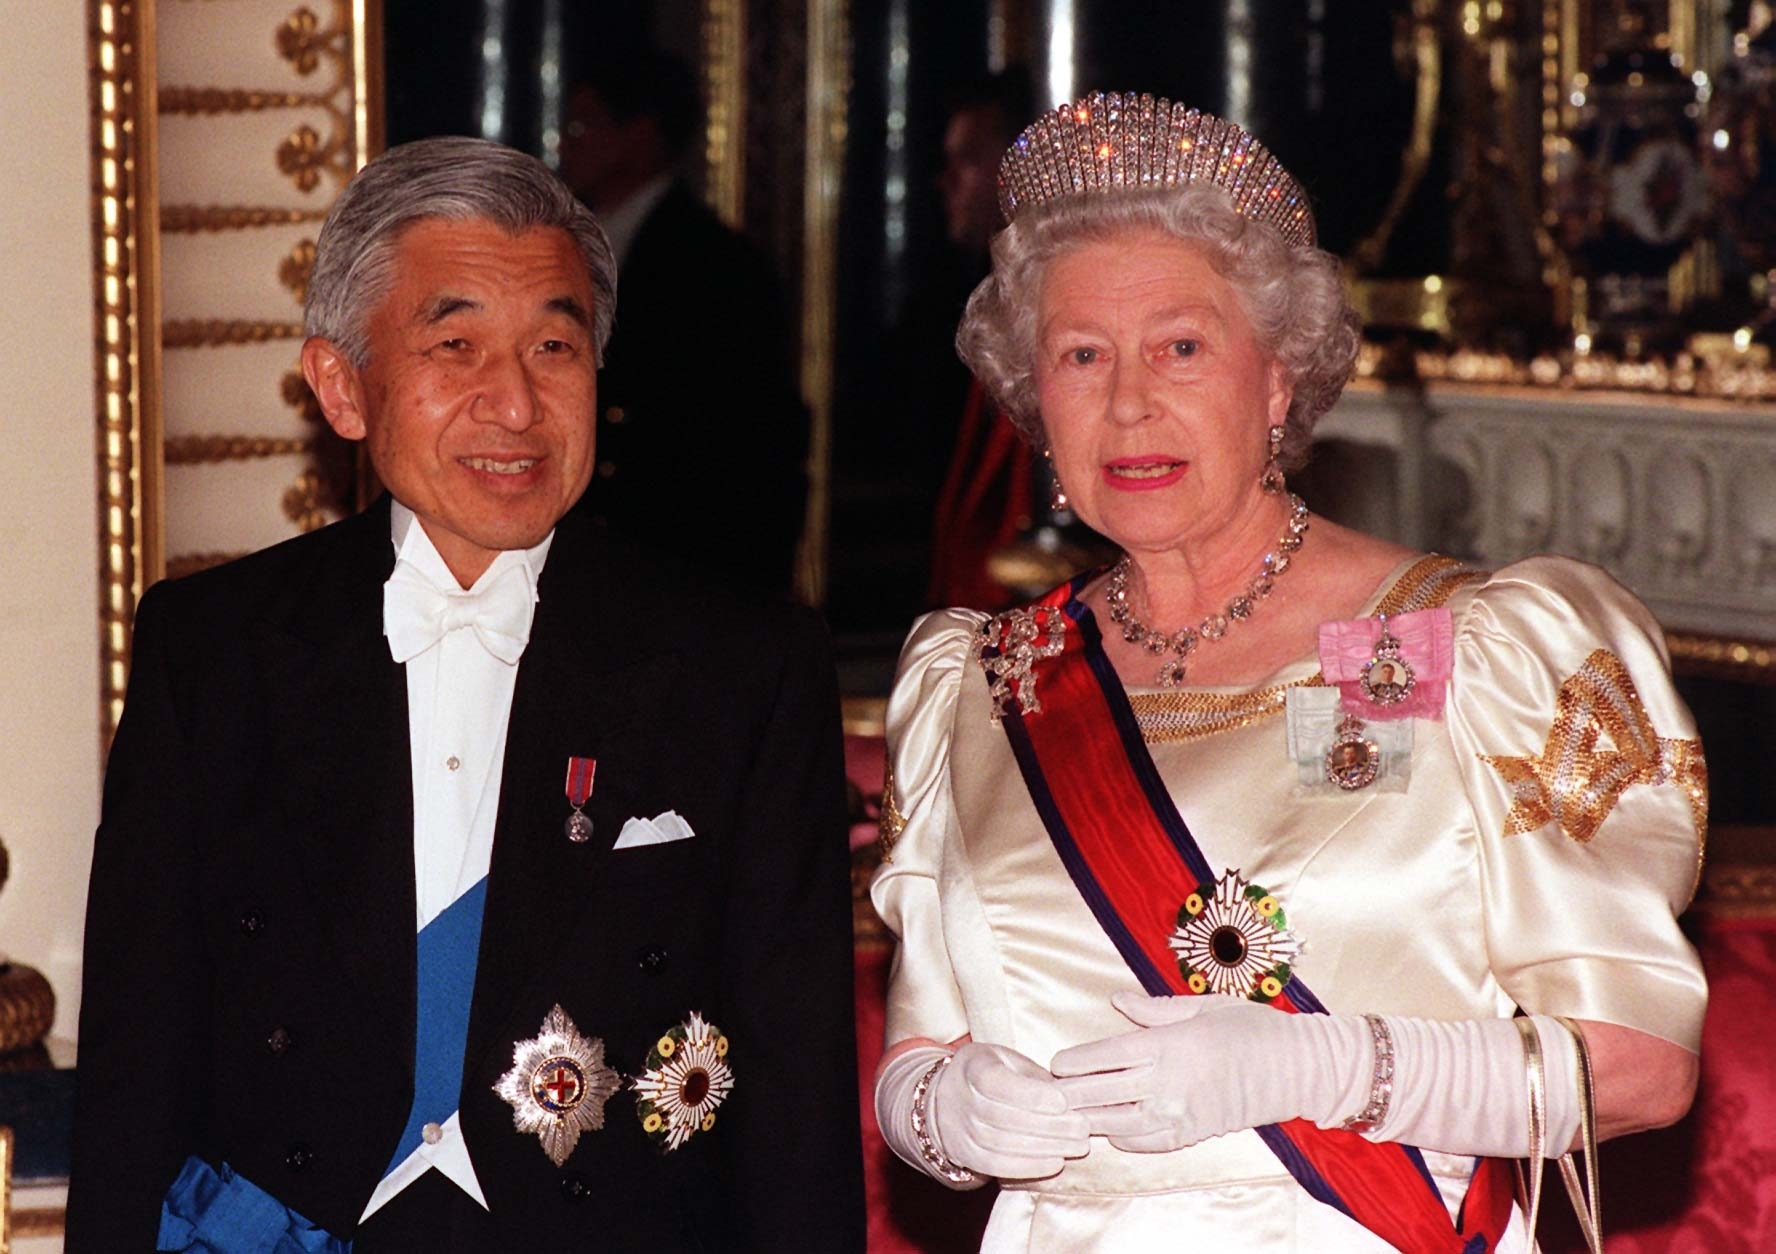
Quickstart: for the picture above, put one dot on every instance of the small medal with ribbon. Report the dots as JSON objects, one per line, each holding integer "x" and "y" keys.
{"x": 580, "y": 772}
{"x": 1387, "y": 677}
{"x": 1391, "y": 667}
{"x": 1354, "y": 760}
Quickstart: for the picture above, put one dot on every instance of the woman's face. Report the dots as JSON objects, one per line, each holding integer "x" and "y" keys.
{"x": 1154, "y": 393}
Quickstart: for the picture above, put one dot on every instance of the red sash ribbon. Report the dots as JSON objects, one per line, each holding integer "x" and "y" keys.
{"x": 1134, "y": 860}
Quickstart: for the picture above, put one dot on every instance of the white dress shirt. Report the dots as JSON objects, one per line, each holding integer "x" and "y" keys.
{"x": 459, "y": 704}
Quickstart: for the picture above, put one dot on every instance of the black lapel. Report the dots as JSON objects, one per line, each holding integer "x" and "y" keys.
{"x": 341, "y": 764}
{"x": 589, "y": 658}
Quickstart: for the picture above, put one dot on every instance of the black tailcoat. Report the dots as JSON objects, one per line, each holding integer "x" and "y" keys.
{"x": 250, "y": 966}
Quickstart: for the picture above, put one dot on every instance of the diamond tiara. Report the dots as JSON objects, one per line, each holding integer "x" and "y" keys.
{"x": 1114, "y": 141}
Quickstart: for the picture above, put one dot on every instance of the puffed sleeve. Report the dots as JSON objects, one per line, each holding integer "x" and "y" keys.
{"x": 1590, "y": 796}
{"x": 923, "y": 999}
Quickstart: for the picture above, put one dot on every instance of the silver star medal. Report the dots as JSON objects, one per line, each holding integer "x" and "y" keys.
{"x": 558, "y": 1085}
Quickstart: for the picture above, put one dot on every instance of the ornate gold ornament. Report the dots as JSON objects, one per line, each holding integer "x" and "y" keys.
{"x": 296, "y": 267}
{"x": 213, "y": 332}
{"x": 1735, "y": 891}
{"x": 125, "y": 261}
{"x": 300, "y": 397}
{"x": 309, "y": 500}
{"x": 1180, "y": 717}
{"x": 1734, "y": 377}
{"x": 300, "y": 41}
{"x": 200, "y": 101}
{"x": 891, "y": 822}
{"x": 1752, "y": 660}
{"x": 302, "y": 156}
{"x": 339, "y": 40}
{"x": 195, "y": 450}
{"x": 1576, "y": 781}
{"x": 190, "y": 219}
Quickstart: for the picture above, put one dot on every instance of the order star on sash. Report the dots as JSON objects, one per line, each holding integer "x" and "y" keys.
{"x": 558, "y": 1085}
{"x": 1233, "y": 939}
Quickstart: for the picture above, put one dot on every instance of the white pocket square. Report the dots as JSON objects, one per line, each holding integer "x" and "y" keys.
{"x": 662, "y": 829}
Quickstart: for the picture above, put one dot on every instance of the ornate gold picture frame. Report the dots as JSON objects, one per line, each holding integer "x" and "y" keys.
{"x": 144, "y": 56}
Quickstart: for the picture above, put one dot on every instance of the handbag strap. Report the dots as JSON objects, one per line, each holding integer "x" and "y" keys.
{"x": 1587, "y": 1203}
{"x": 1535, "y": 1075}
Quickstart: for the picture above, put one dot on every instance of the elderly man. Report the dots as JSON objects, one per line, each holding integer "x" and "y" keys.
{"x": 467, "y": 882}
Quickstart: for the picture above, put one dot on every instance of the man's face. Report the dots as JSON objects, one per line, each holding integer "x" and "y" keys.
{"x": 477, "y": 404}
{"x": 602, "y": 156}
{"x": 969, "y": 180}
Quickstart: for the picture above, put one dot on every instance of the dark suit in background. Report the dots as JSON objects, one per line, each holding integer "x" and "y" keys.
{"x": 702, "y": 434}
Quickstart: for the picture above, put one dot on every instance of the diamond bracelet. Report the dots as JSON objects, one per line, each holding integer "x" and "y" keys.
{"x": 928, "y": 1150}
{"x": 1381, "y": 1080}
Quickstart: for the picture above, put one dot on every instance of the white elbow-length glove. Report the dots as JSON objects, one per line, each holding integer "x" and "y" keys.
{"x": 985, "y": 1111}
{"x": 1199, "y": 1067}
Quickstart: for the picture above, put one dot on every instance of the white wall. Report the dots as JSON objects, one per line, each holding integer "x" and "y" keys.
{"x": 49, "y": 640}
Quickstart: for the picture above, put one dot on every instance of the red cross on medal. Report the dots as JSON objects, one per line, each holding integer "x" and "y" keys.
{"x": 579, "y": 790}
{"x": 558, "y": 1083}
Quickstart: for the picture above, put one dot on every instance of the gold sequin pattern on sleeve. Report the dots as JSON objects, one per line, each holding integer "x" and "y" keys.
{"x": 1429, "y": 584}
{"x": 891, "y": 822}
{"x": 1575, "y": 782}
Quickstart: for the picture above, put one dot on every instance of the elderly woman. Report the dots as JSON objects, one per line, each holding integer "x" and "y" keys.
{"x": 1273, "y": 887}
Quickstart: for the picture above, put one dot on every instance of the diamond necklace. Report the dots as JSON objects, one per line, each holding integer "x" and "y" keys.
{"x": 1183, "y": 643}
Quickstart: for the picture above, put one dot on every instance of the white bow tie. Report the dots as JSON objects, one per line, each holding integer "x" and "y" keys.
{"x": 416, "y": 615}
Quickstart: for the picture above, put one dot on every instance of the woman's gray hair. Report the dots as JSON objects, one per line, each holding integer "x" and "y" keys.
{"x": 457, "y": 179}
{"x": 1293, "y": 297}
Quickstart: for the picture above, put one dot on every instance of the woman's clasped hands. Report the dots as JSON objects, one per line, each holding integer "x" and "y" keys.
{"x": 1193, "y": 1068}
{"x": 1201, "y": 1067}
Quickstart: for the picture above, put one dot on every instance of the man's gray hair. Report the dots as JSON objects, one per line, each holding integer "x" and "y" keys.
{"x": 457, "y": 179}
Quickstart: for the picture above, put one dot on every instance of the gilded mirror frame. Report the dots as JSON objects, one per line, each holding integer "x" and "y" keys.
{"x": 125, "y": 100}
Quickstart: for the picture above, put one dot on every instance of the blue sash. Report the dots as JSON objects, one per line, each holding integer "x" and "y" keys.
{"x": 449, "y": 947}
{"x": 217, "y": 1212}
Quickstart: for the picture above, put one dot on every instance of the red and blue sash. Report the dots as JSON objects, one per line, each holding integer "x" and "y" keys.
{"x": 1133, "y": 859}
